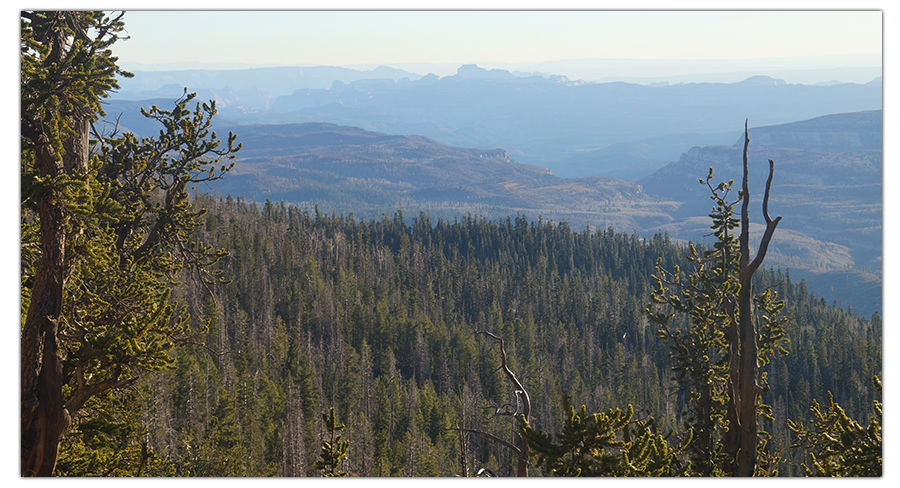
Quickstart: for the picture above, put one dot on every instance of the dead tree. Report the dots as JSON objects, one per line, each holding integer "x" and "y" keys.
{"x": 742, "y": 436}
{"x": 464, "y": 470}
{"x": 522, "y": 408}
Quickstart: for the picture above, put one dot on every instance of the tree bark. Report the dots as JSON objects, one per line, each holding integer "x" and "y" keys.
{"x": 44, "y": 417}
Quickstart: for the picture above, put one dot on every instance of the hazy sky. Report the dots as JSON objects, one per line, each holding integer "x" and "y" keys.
{"x": 392, "y": 37}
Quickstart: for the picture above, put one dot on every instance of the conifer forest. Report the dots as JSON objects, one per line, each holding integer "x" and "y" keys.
{"x": 170, "y": 332}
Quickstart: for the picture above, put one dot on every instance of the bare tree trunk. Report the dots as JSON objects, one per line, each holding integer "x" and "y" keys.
{"x": 747, "y": 388}
{"x": 464, "y": 469}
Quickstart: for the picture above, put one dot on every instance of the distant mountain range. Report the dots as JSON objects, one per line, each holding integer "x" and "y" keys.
{"x": 496, "y": 143}
{"x": 572, "y": 127}
{"x": 828, "y": 177}
{"x": 271, "y": 81}
{"x": 807, "y": 70}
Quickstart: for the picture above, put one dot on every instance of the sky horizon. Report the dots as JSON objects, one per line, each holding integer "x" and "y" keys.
{"x": 491, "y": 38}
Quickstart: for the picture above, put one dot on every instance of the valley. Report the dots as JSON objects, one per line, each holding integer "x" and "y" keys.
{"x": 827, "y": 188}
{"x": 497, "y": 144}
{"x": 268, "y": 269}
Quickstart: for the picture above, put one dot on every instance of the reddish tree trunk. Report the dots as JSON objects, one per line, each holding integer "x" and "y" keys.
{"x": 44, "y": 416}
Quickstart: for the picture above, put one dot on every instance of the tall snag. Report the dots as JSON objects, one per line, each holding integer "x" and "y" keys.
{"x": 746, "y": 380}
{"x": 719, "y": 352}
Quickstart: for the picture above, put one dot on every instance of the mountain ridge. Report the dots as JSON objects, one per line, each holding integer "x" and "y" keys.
{"x": 348, "y": 169}
{"x": 553, "y": 121}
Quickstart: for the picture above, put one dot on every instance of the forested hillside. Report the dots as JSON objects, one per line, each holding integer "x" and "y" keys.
{"x": 167, "y": 332}
{"x": 377, "y": 320}
{"x": 828, "y": 189}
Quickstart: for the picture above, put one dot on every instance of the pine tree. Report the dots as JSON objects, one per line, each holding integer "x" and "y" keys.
{"x": 839, "y": 445}
{"x": 334, "y": 448}
{"x": 608, "y": 443}
{"x": 106, "y": 228}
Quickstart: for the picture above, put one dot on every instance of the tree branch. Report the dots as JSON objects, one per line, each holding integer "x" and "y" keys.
{"x": 520, "y": 392}
{"x": 489, "y": 436}
{"x": 770, "y": 226}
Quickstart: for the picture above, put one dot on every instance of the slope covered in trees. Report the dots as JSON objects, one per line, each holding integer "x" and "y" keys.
{"x": 375, "y": 322}
{"x": 377, "y": 319}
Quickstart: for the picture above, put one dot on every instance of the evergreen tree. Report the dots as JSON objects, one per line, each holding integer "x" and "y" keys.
{"x": 610, "y": 443}
{"x": 221, "y": 450}
{"x": 840, "y": 446}
{"x": 107, "y": 227}
{"x": 108, "y": 439}
{"x": 334, "y": 448}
